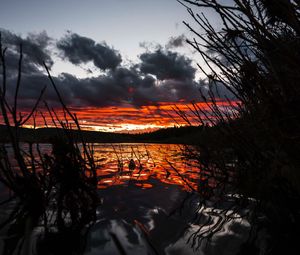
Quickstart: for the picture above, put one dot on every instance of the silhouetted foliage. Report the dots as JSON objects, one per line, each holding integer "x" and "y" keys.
{"x": 54, "y": 194}
{"x": 256, "y": 55}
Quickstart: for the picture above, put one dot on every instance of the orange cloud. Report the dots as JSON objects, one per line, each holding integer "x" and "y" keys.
{"x": 131, "y": 119}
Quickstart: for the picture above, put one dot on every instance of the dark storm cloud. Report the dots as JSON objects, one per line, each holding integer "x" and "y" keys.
{"x": 182, "y": 90}
{"x": 31, "y": 87}
{"x": 119, "y": 86}
{"x": 78, "y": 49}
{"x": 113, "y": 89}
{"x": 160, "y": 76}
{"x": 12, "y": 59}
{"x": 127, "y": 86}
{"x": 216, "y": 89}
{"x": 167, "y": 65}
{"x": 35, "y": 49}
{"x": 175, "y": 42}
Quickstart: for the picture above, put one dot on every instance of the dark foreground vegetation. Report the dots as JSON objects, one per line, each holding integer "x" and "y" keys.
{"x": 249, "y": 153}
{"x": 255, "y": 55}
{"x": 55, "y": 192}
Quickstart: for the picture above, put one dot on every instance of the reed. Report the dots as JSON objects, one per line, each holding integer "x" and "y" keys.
{"x": 53, "y": 193}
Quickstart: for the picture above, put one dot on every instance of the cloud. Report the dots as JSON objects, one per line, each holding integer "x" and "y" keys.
{"x": 78, "y": 49}
{"x": 118, "y": 87}
{"x": 121, "y": 86}
{"x": 161, "y": 76}
{"x": 12, "y": 59}
{"x": 149, "y": 46}
{"x": 176, "y": 42}
{"x": 217, "y": 89}
{"x": 35, "y": 49}
{"x": 167, "y": 65}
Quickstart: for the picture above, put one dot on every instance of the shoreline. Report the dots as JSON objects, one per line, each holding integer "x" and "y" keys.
{"x": 181, "y": 135}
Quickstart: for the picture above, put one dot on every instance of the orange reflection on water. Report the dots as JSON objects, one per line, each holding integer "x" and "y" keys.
{"x": 153, "y": 162}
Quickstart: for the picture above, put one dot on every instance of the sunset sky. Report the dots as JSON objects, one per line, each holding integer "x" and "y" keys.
{"x": 121, "y": 65}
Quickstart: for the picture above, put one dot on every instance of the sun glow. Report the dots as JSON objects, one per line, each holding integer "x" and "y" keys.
{"x": 128, "y": 119}
{"x": 130, "y": 128}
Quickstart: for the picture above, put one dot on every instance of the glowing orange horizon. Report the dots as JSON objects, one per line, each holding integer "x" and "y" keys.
{"x": 128, "y": 118}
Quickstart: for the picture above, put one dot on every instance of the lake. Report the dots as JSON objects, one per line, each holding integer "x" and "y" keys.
{"x": 155, "y": 164}
{"x": 135, "y": 203}
{"x": 153, "y": 209}
{"x": 149, "y": 204}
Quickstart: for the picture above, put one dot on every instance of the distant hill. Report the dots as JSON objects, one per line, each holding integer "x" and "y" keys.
{"x": 45, "y": 135}
{"x": 186, "y": 135}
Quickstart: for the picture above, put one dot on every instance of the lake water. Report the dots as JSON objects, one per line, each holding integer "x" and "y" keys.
{"x": 155, "y": 164}
{"x": 152, "y": 206}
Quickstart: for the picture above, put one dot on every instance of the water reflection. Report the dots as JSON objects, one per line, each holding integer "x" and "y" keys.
{"x": 140, "y": 205}
{"x": 153, "y": 208}
{"x": 164, "y": 162}
{"x": 119, "y": 164}
{"x": 148, "y": 204}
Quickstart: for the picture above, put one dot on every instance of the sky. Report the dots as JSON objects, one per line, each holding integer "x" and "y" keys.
{"x": 121, "y": 65}
{"x": 123, "y": 24}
